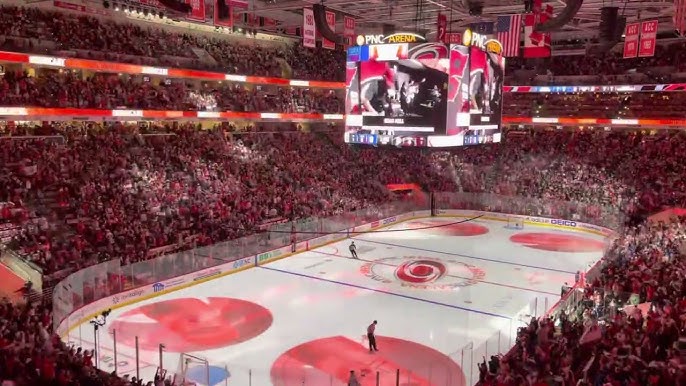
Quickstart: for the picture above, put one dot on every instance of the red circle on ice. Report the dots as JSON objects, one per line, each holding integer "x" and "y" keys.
{"x": 190, "y": 324}
{"x": 420, "y": 271}
{"x": 329, "y": 361}
{"x": 557, "y": 242}
{"x": 454, "y": 229}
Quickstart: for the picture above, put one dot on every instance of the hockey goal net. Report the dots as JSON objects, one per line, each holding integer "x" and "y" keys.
{"x": 515, "y": 223}
{"x": 192, "y": 371}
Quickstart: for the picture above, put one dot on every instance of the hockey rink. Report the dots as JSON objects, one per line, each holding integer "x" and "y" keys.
{"x": 443, "y": 297}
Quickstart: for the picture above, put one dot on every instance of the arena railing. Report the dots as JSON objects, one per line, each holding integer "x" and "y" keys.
{"x": 81, "y": 297}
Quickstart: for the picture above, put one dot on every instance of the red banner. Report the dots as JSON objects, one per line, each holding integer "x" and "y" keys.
{"x": 222, "y": 20}
{"x": 309, "y": 31}
{"x": 648, "y": 39}
{"x": 537, "y": 44}
{"x": 253, "y": 20}
{"x": 631, "y": 40}
{"x": 349, "y": 29}
{"x": 453, "y": 38}
{"x": 292, "y": 30}
{"x": 237, "y": 17}
{"x": 331, "y": 22}
{"x": 198, "y": 10}
{"x": 270, "y": 24}
{"x": 441, "y": 27}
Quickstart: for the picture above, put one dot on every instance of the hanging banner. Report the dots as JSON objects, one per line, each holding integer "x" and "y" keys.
{"x": 252, "y": 20}
{"x": 631, "y": 40}
{"x": 269, "y": 24}
{"x": 536, "y": 44}
{"x": 222, "y": 17}
{"x": 648, "y": 39}
{"x": 331, "y": 22}
{"x": 309, "y": 28}
{"x": 197, "y": 10}
{"x": 349, "y": 29}
{"x": 441, "y": 27}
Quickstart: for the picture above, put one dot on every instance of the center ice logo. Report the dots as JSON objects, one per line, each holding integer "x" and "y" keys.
{"x": 423, "y": 273}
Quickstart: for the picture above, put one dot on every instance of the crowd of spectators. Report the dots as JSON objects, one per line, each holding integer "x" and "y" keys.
{"x": 99, "y": 38}
{"x": 92, "y": 196}
{"x": 123, "y": 194}
{"x": 626, "y": 328}
{"x": 87, "y": 195}
{"x": 620, "y": 105}
{"x": 48, "y": 88}
{"x": 111, "y": 91}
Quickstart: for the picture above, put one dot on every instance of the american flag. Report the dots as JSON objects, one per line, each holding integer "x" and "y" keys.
{"x": 680, "y": 16}
{"x": 509, "y": 29}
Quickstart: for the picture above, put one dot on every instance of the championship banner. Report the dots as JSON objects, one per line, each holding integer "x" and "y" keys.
{"x": 536, "y": 44}
{"x": 309, "y": 28}
{"x": 349, "y": 29}
{"x": 679, "y": 18}
{"x": 331, "y": 22}
{"x": 222, "y": 17}
{"x": 197, "y": 10}
{"x": 269, "y": 24}
{"x": 441, "y": 27}
{"x": 631, "y": 40}
{"x": 252, "y": 20}
{"x": 648, "y": 39}
{"x": 237, "y": 18}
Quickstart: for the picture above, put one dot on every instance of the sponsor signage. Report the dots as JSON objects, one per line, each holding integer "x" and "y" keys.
{"x": 240, "y": 263}
{"x": 564, "y": 223}
{"x": 482, "y": 42}
{"x": 116, "y": 299}
{"x": 266, "y": 256}
{"x": 207, "y": 274}
{"x": 389, "y": 220}
{"x": 537, "y": 220}
{"x": 157, "y": 287}
{"x": 400, "y": 37}
{"x": 375, "y": 224}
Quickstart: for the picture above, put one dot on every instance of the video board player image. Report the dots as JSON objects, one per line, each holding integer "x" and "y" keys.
{"x": 474, "y": 95}
{"x": 411, "y": 92}
{"x": 486, "y": 80}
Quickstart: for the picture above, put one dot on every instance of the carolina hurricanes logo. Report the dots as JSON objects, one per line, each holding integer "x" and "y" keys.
{"x": 423, "y": 272}
{"x": 428, "y": 51}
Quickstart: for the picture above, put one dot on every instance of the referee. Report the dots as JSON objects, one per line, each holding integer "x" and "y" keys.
{"x": 371, "y": 337}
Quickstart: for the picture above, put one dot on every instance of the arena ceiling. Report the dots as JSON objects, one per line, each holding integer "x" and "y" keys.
{"x": 421, "y": 14}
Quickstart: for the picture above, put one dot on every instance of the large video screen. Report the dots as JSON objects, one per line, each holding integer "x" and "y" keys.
{"x": 423, "y": 95}
{"x": 474, "y": 96}
{"x": 406, "y": 95}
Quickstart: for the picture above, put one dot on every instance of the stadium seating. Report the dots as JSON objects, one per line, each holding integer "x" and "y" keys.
{"x": 596, "y": 105}
{"x": 140, "y": 192}
{"x": 46, "y": 32}
{"x": 80, "y": 195}
{"x": 110, "y": 91}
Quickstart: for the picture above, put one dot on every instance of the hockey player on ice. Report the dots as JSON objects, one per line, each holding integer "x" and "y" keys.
{"x": 353, "y": 250}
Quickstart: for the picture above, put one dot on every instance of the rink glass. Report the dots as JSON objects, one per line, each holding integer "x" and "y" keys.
{"x": 105, "y": 279}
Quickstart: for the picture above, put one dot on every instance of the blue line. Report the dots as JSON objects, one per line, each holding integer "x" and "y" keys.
{"x": 385, "y": 292}
{"x": 466, "y": 256}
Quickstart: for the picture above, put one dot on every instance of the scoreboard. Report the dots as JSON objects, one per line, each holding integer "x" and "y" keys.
{"x": 403, "y": 91}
